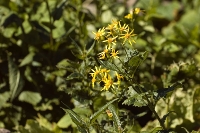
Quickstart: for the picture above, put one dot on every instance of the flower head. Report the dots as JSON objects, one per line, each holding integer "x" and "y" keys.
{"x": 137, "y": 10}
{"x": 128, "y": 37}
{"x": 114, "y": 54}
{"x": 99, "y": 34}
{"x": 110, "y": 41}
{"x": 102, "y": 55}
{"x": 129, "y": 16}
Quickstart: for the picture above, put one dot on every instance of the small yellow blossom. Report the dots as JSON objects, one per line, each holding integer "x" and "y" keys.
{"x": 108, "y": 82}
{"x": 119, "y": 77}
{"x": 127, "y": 37}
{"x": 123, "y": 28}
{"x": 109, "y": 113}
{"x": 99, "y": 34}
{"x": 95, "y": 72}
{"x": 114, "y": 54}
{"x": 137, "y": 10}
{"x": 102, "y": 55}
{"x": 129, "y": 16}
{"x": 110, "y": 41}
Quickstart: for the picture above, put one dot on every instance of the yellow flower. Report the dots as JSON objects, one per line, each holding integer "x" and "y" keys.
{"x": 95, "y": 72}
{"x": 114, "y": 54}
{"x": 119, "y": 77}
{"x": 127, "y": 37}
{"x": 129, "y": 16}
{"x": 137, "y": 10}
{"x": 102, "y": 55}
{"x": 99, "y": 34}
{"x": 109, "y": 113}
{"x": 111, "y": 40}
{"x": 123, "y": 28}
{"x": 108, "y": 82}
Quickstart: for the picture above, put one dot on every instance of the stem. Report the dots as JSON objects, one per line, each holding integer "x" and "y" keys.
{"x": 151, "y": 107}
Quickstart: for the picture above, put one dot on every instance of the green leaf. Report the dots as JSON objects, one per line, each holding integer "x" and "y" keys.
{"x": 91, "y": 48}
{"x": 65, "y": 122}
{"x": 111, "y": 66}
{"x": 34, "y": 127}
{"x": 77, "y": 120}
{"x": 27, "y": 60}
{"x": 3, "y": 98}
{"x": 77, "y": 47}
{"x": 116, "y": 119}
{"x": 165, "y": 116}
{"x": 196, "y": 105}
{"x": 96, "y": 114}
{"x": 30, "y": 97}
{"x": 135, "y": 99}
{"x": 74, "y": 75}
{"x": 15, "y": 80}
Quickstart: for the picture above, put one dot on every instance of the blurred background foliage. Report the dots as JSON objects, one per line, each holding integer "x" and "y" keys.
{"x": 37, "y": 37}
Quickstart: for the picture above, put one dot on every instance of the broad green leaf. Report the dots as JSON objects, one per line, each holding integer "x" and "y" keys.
{"x": 15, "y": 79}
{"x": 65, "y": 122}
{"x": 30, "y": 97}
{"x": 96, "y": 114}
{"x": 58, "y": 11}
{"x": 27, "y": 60}
{"x": 4, "y": 98}
{"x": 34, "y": 127}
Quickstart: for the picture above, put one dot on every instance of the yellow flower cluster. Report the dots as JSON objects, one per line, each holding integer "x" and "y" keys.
{"x": 103, "y": 75}
{"x": 112, "y": 35}
{"x": 133, "y": 12}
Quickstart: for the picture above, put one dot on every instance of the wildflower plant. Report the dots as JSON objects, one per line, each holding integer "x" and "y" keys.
{"x": 113, "y": 75}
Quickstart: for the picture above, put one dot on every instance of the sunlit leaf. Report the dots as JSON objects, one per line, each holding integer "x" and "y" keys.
{"x": 30, "y": 97}
{"x": 15, "y": 79}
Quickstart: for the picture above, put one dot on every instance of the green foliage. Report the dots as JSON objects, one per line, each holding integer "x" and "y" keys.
{"x": 50, "y": 51}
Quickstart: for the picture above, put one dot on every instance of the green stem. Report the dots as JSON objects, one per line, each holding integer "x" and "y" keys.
{"x": 151, "y": 107}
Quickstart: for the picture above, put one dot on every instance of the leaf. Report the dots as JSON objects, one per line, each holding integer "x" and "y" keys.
{"x": 15, "y": 80}
{"x": 135, "y": 61}
{"x": 110, "y": 66}
{"x": 34, "y": 127}
{"x": 96, "y": 114}
{"x": 90, "y": 49}
{"x": 27, "y": 60}
{"x": 30, "y": 97}
{"x": 161, "y": 93}
{"x": 77, "y": 120}
{"x": 74, "y": 75}
{"x": 135, "y": 99}
{"x": 65, "y": 121}
{"x": 3, "y": 98}
{"x": 116, "y": 119}
{"x": 77, "y": 47}
{"x": 165, "y": 116}
{"x": 196, "y": 105}
{"x": 57, "y": 13}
